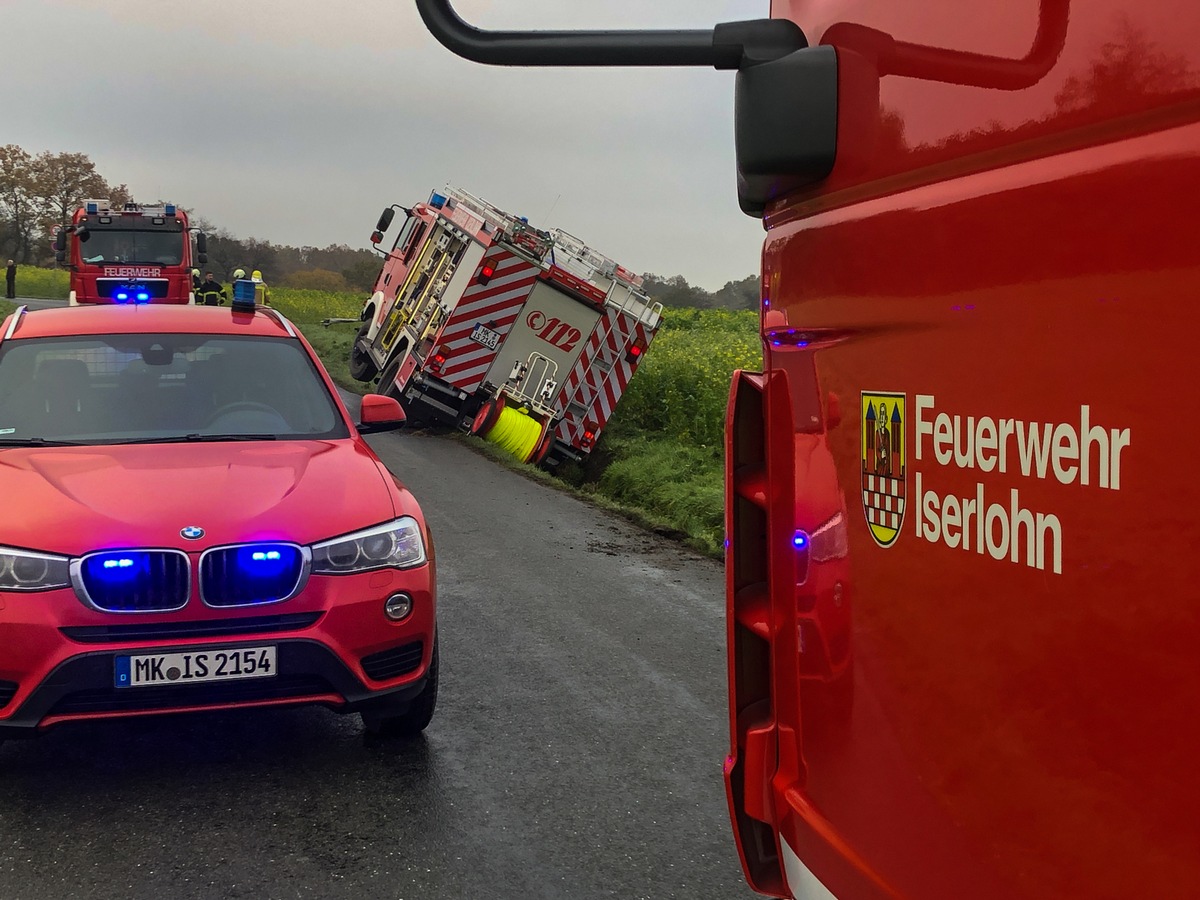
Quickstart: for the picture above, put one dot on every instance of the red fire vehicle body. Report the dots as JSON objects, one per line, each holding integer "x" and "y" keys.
{"x": 962, "y": 624}
{"x": 129, "y": 254}
{"x": 482, "y": 321}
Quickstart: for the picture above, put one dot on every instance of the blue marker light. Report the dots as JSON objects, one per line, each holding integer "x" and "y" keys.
{"x": 800, "y": 541}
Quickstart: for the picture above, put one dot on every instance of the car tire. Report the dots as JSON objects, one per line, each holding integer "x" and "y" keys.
{"x": 362, "y": 367}
{"x": 415, "y": 717}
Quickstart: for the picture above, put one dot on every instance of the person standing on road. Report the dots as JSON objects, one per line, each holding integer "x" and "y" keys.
{"x": 10, "y": 281}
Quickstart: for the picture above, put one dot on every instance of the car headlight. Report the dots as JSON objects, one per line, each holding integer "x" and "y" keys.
{"x": 395, "y": 545}
{"x": 24, "y": 570}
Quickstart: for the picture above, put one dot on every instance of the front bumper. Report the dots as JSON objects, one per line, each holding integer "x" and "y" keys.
{"x": 333, "y": 645}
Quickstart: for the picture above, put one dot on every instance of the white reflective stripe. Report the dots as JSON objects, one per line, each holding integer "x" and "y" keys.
{"x": 803, "y": 884}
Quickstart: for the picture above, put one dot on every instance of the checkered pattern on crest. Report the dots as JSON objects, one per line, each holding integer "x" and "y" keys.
{"x": 883, "y": 499}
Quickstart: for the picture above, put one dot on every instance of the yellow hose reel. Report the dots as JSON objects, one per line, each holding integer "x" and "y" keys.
{"x": 517, "y": 432}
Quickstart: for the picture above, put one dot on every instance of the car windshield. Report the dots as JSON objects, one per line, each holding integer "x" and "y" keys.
{"x": 161, "y": 387}
{"x": 162, "y": 247}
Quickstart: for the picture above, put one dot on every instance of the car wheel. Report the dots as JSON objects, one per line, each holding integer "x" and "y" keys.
{"x": 415, "y": 717}
{"x": 362, "y": 367}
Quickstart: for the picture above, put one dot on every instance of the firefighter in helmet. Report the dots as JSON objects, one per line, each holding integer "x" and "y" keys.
{"x": 262, "y": 293}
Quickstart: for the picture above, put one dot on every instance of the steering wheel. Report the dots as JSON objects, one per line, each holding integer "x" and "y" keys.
{"x": 242, "y": 406}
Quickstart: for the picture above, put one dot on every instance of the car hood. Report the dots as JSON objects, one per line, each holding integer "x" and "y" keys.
{"x": 71, "y": 500}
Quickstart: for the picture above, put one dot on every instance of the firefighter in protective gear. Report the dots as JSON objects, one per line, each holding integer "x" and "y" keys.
{"x": 262, "y": 293}
{"x": 212, "y": 293}
{"x": 195, "y": 281}
{"x": 239, "y": 274}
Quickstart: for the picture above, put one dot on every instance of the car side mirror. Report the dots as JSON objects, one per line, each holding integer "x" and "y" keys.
{"x": 833, "y": 411}
{"x": 379, "y": 413}
{"x": 385, "y": 220}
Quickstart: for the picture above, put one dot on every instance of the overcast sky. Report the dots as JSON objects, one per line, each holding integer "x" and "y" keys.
{"x": 299, "y": 120}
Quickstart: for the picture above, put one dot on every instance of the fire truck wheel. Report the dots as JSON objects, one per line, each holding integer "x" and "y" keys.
{"x": 387, "y": 381}
{"x": 362, "y": 367}
{"x": 415, "y": 717}
{"x": 487, "y": 416}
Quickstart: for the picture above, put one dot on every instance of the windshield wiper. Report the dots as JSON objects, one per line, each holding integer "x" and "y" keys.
{"x": 41, "y": 442}
{"x": 196, "y": 436}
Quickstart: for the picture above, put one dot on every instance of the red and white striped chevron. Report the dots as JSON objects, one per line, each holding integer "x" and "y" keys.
{"x": 600, "y": 376}
{"x": 495, "y": 305}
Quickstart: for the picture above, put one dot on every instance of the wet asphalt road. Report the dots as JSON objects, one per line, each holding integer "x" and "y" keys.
{"x": 576, "y": 751}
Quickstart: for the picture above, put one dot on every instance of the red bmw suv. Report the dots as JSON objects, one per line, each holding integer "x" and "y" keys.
{"x": 192, "y": 521}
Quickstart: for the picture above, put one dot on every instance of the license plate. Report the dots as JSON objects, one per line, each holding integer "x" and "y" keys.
{"x": 481, "y": 334}
{"x": 194, "y": 666}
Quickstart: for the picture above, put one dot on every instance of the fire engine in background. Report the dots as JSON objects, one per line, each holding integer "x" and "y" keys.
{"x": 962, "y": 609}
{"x": 480, "y": 320}
{"x": 129, "y": 254}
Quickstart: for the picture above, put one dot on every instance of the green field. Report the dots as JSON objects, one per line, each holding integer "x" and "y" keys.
{"x": 659, "y": 460}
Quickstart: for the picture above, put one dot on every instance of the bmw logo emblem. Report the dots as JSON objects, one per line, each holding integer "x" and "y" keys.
{"x": 192, "y": 532}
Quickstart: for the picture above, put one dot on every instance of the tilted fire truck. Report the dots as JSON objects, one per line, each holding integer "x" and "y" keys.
{"x": 129, "y": 254}
{"x": 480, "y": 320}
{"x": 962, "y": 607}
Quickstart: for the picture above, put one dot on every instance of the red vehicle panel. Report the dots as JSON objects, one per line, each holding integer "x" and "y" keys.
{"x": 961, "y": 625}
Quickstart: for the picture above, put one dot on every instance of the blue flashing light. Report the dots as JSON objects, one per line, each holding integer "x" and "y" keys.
{"x": 116, "y": 568}
{"x": 436, "y": 200}
{"x": 169, "y": 209}
{"x": 122, "y": 296}
{"x": 260, "y": 555}
{"x": 800, "y": 541}
{"x": 92, "y": 209}
{"x": 142, "y": 296}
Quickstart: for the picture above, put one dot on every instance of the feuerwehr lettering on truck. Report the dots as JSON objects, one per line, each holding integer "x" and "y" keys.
{"x": 991, "y": 520}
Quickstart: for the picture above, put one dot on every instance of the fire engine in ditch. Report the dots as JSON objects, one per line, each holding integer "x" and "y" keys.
{"x": 480, "y": 320}
{"x": 129, "y": 253}
{"x": 962, "y": 606}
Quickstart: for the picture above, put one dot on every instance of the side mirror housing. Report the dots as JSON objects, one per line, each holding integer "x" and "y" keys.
{"x": 385, "y": 221}
{"x": 785, "y": 125}
{"x": 379, "y": 413}
{"x": 201, "y": 243}
{"x": 202, "y": 258}
{"x": 60, "y": 242}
